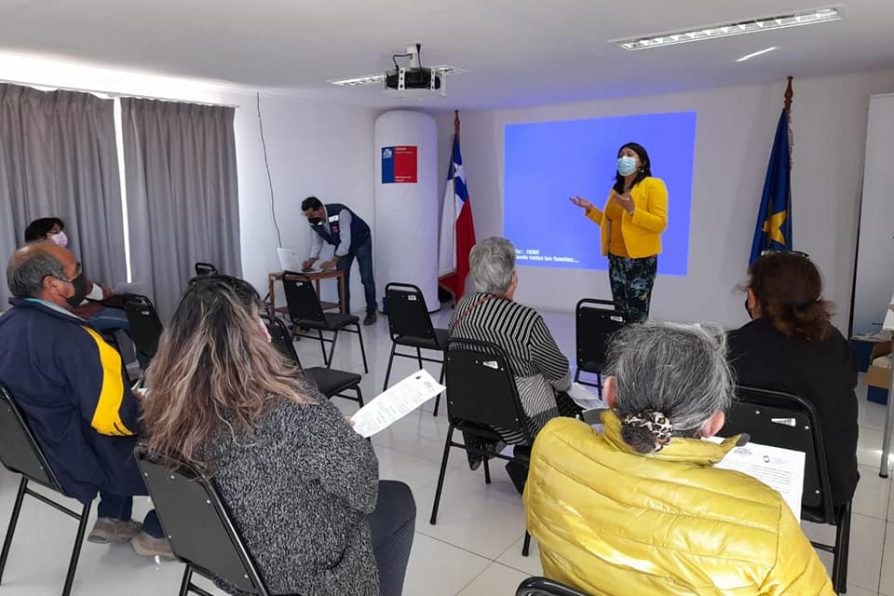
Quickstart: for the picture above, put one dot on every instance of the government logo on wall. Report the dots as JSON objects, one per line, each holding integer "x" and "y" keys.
{"x": 399, "y": 164}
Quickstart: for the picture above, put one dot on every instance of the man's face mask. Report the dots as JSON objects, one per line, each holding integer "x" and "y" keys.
{"x": 314, "y": 220}
{"x": 80, "y": 290}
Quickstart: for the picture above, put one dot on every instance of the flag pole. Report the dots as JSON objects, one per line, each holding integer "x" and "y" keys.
{"x": 789, "y": 94}
{"x": 456, "y": 122}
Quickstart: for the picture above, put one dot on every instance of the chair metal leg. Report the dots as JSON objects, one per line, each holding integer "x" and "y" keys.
{"x": 599, "y": 385}
{"x": 842, "y": 544}
{"x": 359, "y": 395}
{"x": 76, "y": 552}
{"x": 187, "y": 579}
{"x": 390, "y": 364}
{"x": 437, "y": 403}
{"x": 362, "y": 349}
{"x": 323, "y": 347}
{"x": 486, "y": 471}
{"x": 526, "y": 547}
{"x": 434, "y": 509}
{"x": 13, "y": 521}
{"x": 577, "y": 375}
{"x": 332, "y": 349}
{"x": 419, "y": 358}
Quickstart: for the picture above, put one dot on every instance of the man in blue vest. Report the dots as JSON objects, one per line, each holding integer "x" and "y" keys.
{"x": 337, "y": 225}
{"x": 71, "y": 387}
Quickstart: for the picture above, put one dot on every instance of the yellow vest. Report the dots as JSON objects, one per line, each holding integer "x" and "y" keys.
{"x": 612, "y": 521}
{"x": 642, "y": 230}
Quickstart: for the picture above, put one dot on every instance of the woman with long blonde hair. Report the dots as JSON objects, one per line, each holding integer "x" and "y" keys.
{"x": 301, "y": 485}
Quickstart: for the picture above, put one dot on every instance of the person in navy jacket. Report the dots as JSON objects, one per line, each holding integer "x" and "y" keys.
{"x": 71, "y": 386}
{"x": 340, "y": 227}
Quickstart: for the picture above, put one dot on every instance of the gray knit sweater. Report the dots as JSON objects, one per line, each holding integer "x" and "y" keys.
{"x": 299, "y": 489}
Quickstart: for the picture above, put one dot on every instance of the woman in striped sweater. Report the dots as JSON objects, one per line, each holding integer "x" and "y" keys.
{"x": 540, "y": 369}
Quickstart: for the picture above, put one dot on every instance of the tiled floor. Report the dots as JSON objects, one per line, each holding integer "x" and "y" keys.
{"x": 475, "y": 548}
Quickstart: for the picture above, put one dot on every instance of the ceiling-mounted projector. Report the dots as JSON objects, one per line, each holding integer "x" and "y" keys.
{"x": 414, "y": 79}
{"x": 407, "y": 80}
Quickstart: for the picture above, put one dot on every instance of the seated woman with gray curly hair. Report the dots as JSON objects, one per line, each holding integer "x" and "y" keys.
{"x": 639, "y": 508}
{"x": 540, "y": 369}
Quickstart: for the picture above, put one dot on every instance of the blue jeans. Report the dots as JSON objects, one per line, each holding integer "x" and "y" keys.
{"x": 118, "y": 507}
{"x": 110, "y": 320}
{"x": 364, "y": 256}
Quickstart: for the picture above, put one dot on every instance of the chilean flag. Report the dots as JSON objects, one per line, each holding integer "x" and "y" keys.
{"x": 457, "y": 228}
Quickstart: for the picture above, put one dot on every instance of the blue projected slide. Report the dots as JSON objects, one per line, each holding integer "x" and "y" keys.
{"x": 548, "y": 162}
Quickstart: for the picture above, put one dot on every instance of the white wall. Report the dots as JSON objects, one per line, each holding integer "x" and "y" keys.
{"x": 875, "y": 267}
{"x": 314, "y": 147}
{"x": 733, "y": 139}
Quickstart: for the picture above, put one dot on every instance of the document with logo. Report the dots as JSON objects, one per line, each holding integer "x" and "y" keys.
{"x": 780, "y": 469}
{"x": 395, "y": 403}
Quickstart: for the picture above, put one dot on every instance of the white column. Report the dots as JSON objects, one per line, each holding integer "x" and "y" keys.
{"x": 406, "y": 232}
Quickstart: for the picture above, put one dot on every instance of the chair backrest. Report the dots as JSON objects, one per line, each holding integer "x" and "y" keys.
{"x": 787, "y": 421}
{"x": 281, "y": 338}
{"x": 19, "y": 449}
{"x": 541, "y": 586}
{"x": 481, "y": 388}
{"x": 197, "y": 522}
{"x": 301, "y": 298}
{"x": 145, "y": 326}
{"x": 205, "y": 269}
{"x": 407, "y": 312}
{"x": 595, "y": 322}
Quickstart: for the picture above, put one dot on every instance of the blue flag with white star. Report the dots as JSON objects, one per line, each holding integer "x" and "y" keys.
{"x": 774, "y": 219}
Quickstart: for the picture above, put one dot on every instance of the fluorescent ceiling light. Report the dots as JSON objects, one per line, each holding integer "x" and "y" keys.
{"x": 755, "y": 54}
{"x": 797, "y": 19}
{"x": 373, "y": 79}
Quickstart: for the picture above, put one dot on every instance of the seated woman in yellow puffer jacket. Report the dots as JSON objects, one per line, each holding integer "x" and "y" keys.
{"x": 639, "y": 508}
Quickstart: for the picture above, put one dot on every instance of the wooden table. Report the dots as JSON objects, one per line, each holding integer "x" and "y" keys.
{"x": 316, "y": 275}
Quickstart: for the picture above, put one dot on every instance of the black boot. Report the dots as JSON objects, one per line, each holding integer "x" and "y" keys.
{"x": 370, "y": 318}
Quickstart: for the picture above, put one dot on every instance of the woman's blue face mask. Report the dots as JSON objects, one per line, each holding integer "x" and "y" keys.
{"x": 626, "y": 165}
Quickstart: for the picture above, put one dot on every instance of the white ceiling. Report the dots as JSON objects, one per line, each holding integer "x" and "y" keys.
{"x": 519, "y": 52}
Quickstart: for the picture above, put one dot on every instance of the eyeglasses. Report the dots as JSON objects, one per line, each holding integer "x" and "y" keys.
{"x": 776, "y": 251}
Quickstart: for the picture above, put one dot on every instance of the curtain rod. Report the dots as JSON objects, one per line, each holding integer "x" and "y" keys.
{"x": 119, "y": 95}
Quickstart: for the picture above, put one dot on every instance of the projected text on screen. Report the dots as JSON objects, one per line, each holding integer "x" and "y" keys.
{"x": 545, "y": 163}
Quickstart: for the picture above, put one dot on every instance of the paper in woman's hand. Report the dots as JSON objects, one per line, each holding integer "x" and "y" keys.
{"x": 584, "y": 398}
{"x": 395, "y": 403}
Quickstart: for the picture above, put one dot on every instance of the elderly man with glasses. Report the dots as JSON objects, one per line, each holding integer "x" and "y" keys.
{"x": 71, "y": 386}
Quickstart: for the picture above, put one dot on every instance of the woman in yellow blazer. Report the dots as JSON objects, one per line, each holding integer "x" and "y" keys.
{"x": 634, "y": 217}
{"x": 639, "y": 508}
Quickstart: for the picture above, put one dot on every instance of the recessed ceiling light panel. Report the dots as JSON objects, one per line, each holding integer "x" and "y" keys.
{"x": 797, "y": 19}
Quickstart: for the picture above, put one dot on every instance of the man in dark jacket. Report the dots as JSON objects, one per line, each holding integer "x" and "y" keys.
{"x": 337, "y": 225}
{"x": 70, "y": 385}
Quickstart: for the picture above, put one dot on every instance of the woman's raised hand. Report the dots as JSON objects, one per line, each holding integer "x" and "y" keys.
{"x": 581, "y": 202}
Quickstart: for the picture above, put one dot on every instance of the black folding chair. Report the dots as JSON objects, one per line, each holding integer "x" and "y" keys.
{"x": 330, "y": 382}
{"x": 21, "y": 454}
{"x": 791, "y": 422}
{"x": 410, "y": 325}
{"x": 198, "y": 525}
{"x": 205, "y": 269}
{"x": 306, "y": 312}
{"x": 481, "y": 397}
{"x": 145, "y": 326}
{"x": 542, "y": 586}
{"x": 595, "y": 321}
